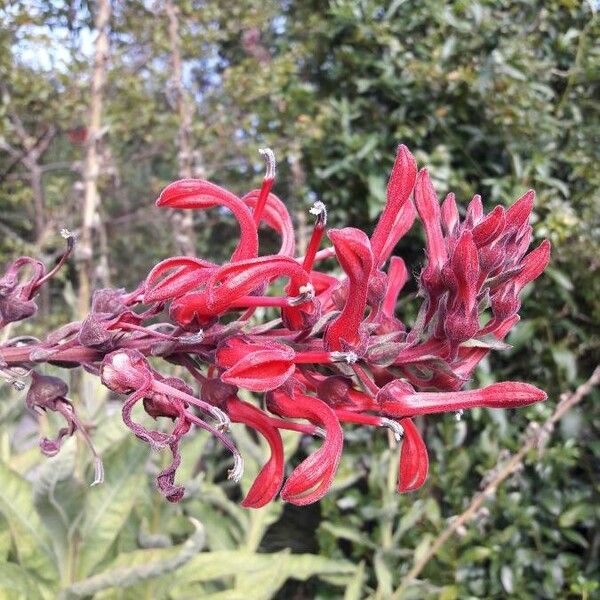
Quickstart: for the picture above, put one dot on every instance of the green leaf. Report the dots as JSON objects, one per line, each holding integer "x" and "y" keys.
{"x": 58, "y": 497}
{"x": 32, "y": 545}
{"x": 576, "y": 514}
{"x": 5, "y": 540}
{"x": 560, "y": 278}
{"x": 355, "y": 586}
{"x": 348, "y": 533}
{"x": 566, "y": 361}
{"x": 384, "y": 576}
{"x": 130, "y": 569}
{"x": 253, "y": 571}
{"x": 108, "y": 505}
{"x": 507, "y": 579}
{"x": 17, "y": 584}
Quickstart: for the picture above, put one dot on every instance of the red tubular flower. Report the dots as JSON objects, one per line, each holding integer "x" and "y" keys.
{"x": 518, "y": 214}
{"x": 489, "y": 228}
{"x": 429, "y": 212}
{"x": 465, "y": 266}
{"x": 275, "y": 215}
{"x": 260, "y": 370}
{"x": 183, "y": 274}
{"x": 399, "y": 398}
{"x": 533, "y": 265}
{"x": 239, "y": 279}
{"x": 414, "y": 461}
{"x": 400, "y": 186}
{"x": 335, "y": 355}
{"x": 402, "y": 223}
{"x": 397, "y": 278}
{"x": 449, "y": 214}
{"x": 268, "y": 482}
{"x": 474, "y": 212}
{"x": 353, "y": 252}
{"x": 201, "y": 194}
{"x": 312, "y": 478}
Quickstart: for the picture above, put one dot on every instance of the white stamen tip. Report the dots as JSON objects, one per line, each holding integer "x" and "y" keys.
{"x": 319, "y": 210}
{"x": 67, "y": 233}
{"x": 395, "y": 428}
{"x": 235, "y": 474}
{"x": 224, "y": 422}
{"x": 307, "y": 290}
{"x": 98, "y": 472}
{"x": 269, "y": 157}
{"x": 459, "y": 414}
{"x": 347, "y": 357}
{"x": 306, "y": 293}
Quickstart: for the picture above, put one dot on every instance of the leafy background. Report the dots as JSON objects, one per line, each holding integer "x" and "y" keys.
{"x": 495, "y": 97}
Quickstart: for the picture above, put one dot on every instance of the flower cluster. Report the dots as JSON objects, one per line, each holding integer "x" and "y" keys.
{"x": 336, "y": 352}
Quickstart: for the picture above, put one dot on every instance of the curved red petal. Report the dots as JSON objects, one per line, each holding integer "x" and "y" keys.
{"x": 183, "y": 274}
{"x": 276, "y": 216}
{"x": 312, "y": 478}
{"x": 262, "y": 370}
{"x": 268, "y": 481}
{"x": 414, "y": 460}
{"x": 400, "y": 186}
{"x": 240, "y": 278}
{"x": 202, "y": 194}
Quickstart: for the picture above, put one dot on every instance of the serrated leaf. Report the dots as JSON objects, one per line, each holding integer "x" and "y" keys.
{"x": 32, "y": 545}
{"x": 108, "y": 505}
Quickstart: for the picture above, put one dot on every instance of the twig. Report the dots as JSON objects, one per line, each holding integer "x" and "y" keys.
{"x": 567, "y": 401}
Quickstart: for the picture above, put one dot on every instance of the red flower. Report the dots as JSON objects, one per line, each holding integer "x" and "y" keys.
{"x": 268, "y": 482}
{"x": 414, "y": 461}
{"x": 333, "y": 350}
{"x": 353, "y": 251}
{"x": 312, "y": 478}
{"x": 399, "y": 398}
{"x": 198, "y": 193}
{"x": 259, "y": 368}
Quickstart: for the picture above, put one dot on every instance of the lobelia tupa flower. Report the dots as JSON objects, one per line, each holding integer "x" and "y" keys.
{"x": 336, "y": 352}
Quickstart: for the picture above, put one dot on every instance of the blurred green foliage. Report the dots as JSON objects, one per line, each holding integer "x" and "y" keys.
{"x": 495, "y": 97}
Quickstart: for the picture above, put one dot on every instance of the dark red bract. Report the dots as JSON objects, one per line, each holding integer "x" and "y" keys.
{"x": 334, "y": 350}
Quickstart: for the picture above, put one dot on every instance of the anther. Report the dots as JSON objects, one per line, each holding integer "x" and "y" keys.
{"x": 269, "y": 157}
{"x": 348, "y": 357}
{"x": 236, "y": 472}
{"x": 320, "y": 211}
{"x": 394, "y": 427}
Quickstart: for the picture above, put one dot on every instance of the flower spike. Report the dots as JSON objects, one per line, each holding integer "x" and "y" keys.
{"x": 325, "y": 349}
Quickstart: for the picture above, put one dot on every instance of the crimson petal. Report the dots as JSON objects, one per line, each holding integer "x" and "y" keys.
{"x": 414, "y": 461}
{"x": 312, "y": 478}
{"x": 268, "y": 482}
